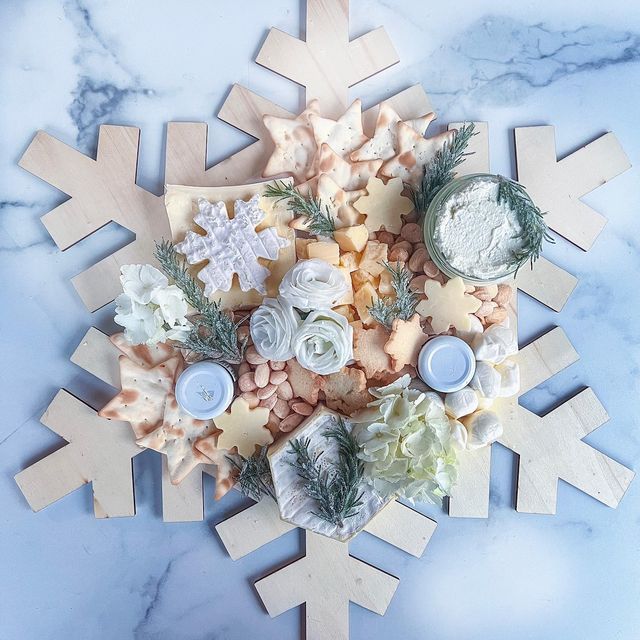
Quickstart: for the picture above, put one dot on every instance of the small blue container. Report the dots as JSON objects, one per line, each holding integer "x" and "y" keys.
{"x": 204, "y": 390}
{"x": 446, "y": 364}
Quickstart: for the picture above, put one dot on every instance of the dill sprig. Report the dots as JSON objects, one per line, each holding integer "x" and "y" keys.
{"x": 214, "y": 334}
{"x": 441, "y": 169}
{"x": 336, "y": 488}
{"x": 320, "y": 222}
{"x": 403, "y": 306}
{"x": 534, "y": 228}
{"x": 255, "y": 478}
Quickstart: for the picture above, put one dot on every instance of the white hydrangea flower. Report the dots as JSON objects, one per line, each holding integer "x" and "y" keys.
{"x": 407, "y": 443}
{"x": 150, "y": 310}
{"x": 142, "y": 281}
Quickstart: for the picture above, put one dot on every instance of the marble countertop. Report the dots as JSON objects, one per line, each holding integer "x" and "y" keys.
{"x": 67, "y": 66}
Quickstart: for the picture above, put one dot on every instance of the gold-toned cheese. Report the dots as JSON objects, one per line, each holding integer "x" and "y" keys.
{"x": 363, "y": 300}
{"x": 327, "y": 251}
{"x": 373, "y": 257}
{"x": 352, "y": 238}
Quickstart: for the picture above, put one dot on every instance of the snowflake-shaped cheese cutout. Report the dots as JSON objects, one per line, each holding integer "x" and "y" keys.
{"x": 448, "y": 305}
{"x": 231, "y": 246}
{"x": 384, "y": 204}
{"x": 243, "y": 428}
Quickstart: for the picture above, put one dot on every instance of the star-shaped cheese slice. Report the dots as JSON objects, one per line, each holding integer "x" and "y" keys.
{"x": 349, "y": 176}
{"x": 405, "y": 342}
{"x": 414, "y": 153}
{"x": 368, "y": 349}
{"x": 342, "y": 135}
{"x": 384, "y": 145}
{"x": 448, "y": 305}
{"x": 384, "y": 204}
{"x": 176, "y": 437}
{"x": 295, "y": 145}
{"x": 244, "y": 428}
{"x": 141, "y": 401}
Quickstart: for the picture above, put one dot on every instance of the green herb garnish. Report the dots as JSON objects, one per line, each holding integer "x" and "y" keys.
{"x": 214, "y": 334}
{"x": 255, "y": 478}
{"x": 336, "y": 488}
{"x": 403, "y": 306}
{"x": 320, "y": 222}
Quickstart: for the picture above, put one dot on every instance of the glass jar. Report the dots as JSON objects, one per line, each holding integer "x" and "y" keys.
{"x": 435, "y": 209}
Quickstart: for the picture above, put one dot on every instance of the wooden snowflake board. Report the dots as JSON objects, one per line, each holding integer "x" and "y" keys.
{"x": 326, "y": 63}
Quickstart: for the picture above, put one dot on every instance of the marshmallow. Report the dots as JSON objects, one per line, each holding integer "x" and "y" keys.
{"x": 509, "y": 378}
{"x": 483, "y": 428}
{"x": 458, "y": 434}
{"x": 495, "y": 344}
{"x": 486, "y": 381}
{"x": 461, "y": 403}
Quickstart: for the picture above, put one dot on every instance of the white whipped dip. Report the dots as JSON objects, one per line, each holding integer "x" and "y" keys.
{"x": 477, "y": 235}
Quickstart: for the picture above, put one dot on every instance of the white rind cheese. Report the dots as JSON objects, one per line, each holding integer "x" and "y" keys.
{"x": 295, "y": 506}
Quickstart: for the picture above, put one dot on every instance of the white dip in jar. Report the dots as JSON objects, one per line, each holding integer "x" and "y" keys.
{"x": 476, "y": 236}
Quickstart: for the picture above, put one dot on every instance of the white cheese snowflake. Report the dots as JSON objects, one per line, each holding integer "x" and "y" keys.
{"x": 231, "y": 245}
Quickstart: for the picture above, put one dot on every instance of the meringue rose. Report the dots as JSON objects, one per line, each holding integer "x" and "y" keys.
{"x": 141, "y": 281}
{"x": 273, "y": 325}
{"x": 324, "y": 342}
{"x": 313, "y": 284}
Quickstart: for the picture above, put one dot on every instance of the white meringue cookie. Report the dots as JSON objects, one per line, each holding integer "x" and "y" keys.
{"x": 459, "y": 434}
{"x": 483, "y": 428}
{"x": 486, "y": 381}
{"x": 461, "y": 403}
{"x": 495, "y": 344}
{"x": 485, "y": 403}
{"x": 509, "y": 372}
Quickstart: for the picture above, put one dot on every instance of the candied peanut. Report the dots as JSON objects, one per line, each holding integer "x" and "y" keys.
{"x": 266, "y": 392}
{"x": 412, "y": 232}
{"x": 253, "y": 357}
{"x": 262, "y": 374}
{"x": 277, "y": 377}
{"x": 247, "y": 382}
{"x": 291, "y": 422}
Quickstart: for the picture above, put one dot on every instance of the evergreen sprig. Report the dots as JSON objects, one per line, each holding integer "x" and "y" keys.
{"x": 320, "y": 222}
{"x": 335, "y": 488}
{"x": 255, "y": 478}
{"x": 534, "y": 228}
{"x": 214, "y": 334}
{"x": 403, "y": 306}
{"x": 441, "y": 169}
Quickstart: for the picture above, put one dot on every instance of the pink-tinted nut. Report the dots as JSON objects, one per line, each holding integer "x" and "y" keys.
{"x": 412, "y": 217}
{"x": 486, "y": 308}
{"x": 247, "y": 382}
{"x": 252, "y": 399}
{"x": 302, "y": 408}
{"x": 253, "y": 357}
{"x": 244, "y": 367}
{"x": 285, "y": 391}
{"x": 412, "y": 232}
{"x": 430, "y": 269}
{"x": 386, "y": 237}
{"x": 398, "y": 255}
{"x": 291, "y": 422}
{"x": 483, "y": 293}
{"x": 497, "y": 315}
{"x": 269, "y": 402}
{"x": 277, "y": 365}
{"x": 504, "y": 294}
{"x": 266, "y": 392}
{"x": 417, "y": 284}
{"x": 274, "y": 424}
{"x": 278, "y": 377}
{"x": 281, "y": 408}
{"x": 418, "y": 258}
{"x": 262, "y": 374}
{"x": 243, "y": 332}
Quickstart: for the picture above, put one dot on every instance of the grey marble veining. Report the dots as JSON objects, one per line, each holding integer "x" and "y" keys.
{"x": 68, "y": 66}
